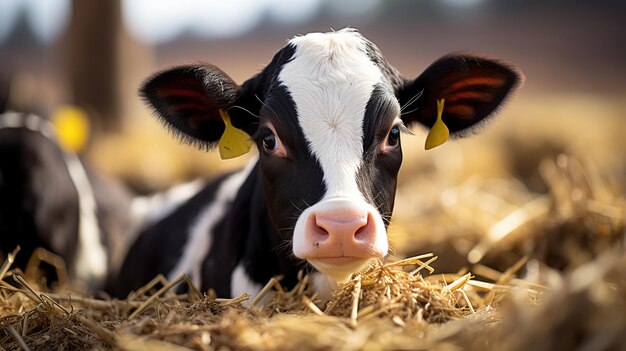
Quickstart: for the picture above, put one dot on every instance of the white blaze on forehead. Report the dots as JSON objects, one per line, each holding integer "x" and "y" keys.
{"x": 331, "y": 79}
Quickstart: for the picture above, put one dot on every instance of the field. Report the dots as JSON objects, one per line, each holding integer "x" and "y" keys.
{"x": 515, "y": 241}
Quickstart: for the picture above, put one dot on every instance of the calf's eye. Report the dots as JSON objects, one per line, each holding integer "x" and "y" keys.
{"x": 269, "y": 142}
{"x": 272, "y": 145}
{"x": 393, "y": 139}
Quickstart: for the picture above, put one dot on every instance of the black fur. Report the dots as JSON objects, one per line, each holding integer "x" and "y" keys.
{"x": 39, "y": 202}
{"x": 434, "y": 82}
{"x": 377, "y": 177}
{"x": 159, "y": 247}
{"x": 258, "y": 227}
{"x": 188, "y": 98}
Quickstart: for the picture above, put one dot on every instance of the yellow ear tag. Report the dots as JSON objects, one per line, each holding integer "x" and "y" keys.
{"x": 234, "y": 141}
{"x": 72, "y": 127}
{"x": 439, "y": 132}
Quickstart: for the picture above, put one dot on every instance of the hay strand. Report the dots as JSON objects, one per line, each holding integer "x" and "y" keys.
{"x": 18, "y": 338}
{"x": 152, "y": 298}
{"x": 387, "y": 306}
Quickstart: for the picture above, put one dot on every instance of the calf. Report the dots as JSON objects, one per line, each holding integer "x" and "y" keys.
{"x": 326, "y": 116}
{"x": 50, "y": 199}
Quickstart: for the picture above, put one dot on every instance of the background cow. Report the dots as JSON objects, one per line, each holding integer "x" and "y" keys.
{"x": 326, "y": 116}
{"x": 49, "y": 198}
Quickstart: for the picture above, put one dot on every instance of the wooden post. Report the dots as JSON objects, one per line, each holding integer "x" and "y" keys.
{"x": 92, "y": 62}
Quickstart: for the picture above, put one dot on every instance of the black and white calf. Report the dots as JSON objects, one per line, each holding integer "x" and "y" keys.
{"x": 50, "y": 199}
{"x": 326, "y": 116}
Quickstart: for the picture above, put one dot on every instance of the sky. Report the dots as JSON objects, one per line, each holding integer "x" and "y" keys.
{"x": 160, "y": 21}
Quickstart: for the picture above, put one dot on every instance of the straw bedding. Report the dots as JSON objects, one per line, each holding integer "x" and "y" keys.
{"x": 554, "y": 278}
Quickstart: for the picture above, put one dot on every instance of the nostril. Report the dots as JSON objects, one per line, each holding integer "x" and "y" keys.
{"x": 361, "y": 233}
{"x": 318, "y": 232}
{"x": 364, "y": 232}
{"x": 319, "y": 225}
{"x": 321, "y": 231}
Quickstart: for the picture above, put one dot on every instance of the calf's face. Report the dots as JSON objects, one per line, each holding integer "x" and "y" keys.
{"x": 326, "y": 115}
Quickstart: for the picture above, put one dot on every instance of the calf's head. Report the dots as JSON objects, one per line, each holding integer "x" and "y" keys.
{"x": 326, "y": 115}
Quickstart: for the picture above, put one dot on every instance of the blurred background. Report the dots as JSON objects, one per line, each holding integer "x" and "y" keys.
{"x": 95, "y": 54}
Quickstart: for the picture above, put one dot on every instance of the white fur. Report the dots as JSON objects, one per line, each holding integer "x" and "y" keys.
{"x": 91, "y": 258}
{"x": 331, "y": 79}
{"x": 201, "y": 231}
{"x": 323, "y": 286}
{"x": 10, "y": 120}
{"x": 240, "y": 283}
{"x": 151, "y": 209}
{"x": 31, "y": 122}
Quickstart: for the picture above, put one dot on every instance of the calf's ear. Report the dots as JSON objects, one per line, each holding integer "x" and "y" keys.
{"x": 473, "y": 87}
{"x": 193, "y": 100}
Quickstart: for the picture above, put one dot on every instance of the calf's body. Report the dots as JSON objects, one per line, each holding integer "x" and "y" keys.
{"x": 222, "y": 237}
{"x": 326, "y": 116}
{"x": 50, "y": 199}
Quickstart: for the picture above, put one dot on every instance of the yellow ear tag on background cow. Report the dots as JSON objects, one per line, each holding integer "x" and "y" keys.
{"x": 439, "y": 132}
{"x": 71, "y": 125}
{"x": 234, "y": 142}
